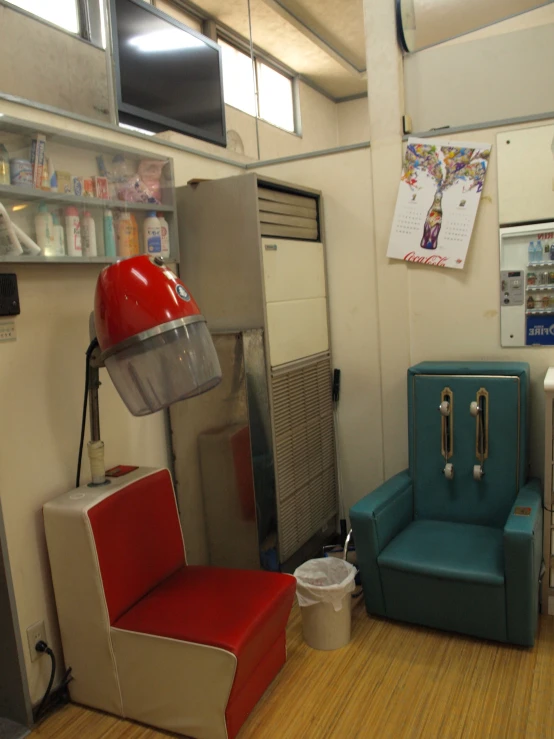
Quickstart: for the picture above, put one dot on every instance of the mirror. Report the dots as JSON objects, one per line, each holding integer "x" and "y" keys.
{"x": 294, "y": 74}
{"x": 483, "y": 76}
{"x": 424, "y": 23}
{"x": 294, "y": 70}
{"x": 311, "y": 75}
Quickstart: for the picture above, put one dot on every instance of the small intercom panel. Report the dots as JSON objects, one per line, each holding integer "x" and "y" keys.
{"x": 9, "y": 295}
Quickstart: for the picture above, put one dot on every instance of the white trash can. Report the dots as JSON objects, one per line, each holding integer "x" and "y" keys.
{"x": 323, "y": 589}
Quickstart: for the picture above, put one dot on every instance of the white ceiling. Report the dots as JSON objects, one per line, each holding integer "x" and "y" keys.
{"x": 322, "y": 40}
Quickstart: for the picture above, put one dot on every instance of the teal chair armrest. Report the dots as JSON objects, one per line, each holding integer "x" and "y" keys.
{"x": 522, "y": 564}
{"x": 376, "y": 520}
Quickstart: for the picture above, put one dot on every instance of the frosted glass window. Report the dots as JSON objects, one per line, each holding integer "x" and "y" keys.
{"x": 238, "y": 79}
{"x": 62, "y": 13}
{"x": 274, "y": 102}
{"x": 275, "y": 97}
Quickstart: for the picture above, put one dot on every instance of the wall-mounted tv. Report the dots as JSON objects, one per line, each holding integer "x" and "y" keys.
{"x": 167, "y": 75}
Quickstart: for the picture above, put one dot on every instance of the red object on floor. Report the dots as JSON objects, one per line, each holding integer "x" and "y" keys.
{"x": 242, "y": 457}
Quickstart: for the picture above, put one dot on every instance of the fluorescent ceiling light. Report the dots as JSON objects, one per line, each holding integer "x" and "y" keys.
{"x": 136, "y": 128}
{"x": 167, "y": 40}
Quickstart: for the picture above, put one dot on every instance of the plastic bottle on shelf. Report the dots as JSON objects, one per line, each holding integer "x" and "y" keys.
{"x": 531, "y": 252}
{"x": 4, "y": 166}
{"x": 166, "y": 250}
{"x": 538, "y": 251}
{"x": 152, "y": 234}
{"x": 44, "y": 228}
{"x": 89, "y": 236}
{"x": 551, "y": 256}
{"x": 73, "y": 232}
{"x": 9, "y": 243}
{"x": 59, "y": 239}
{"x": 135, "y": 241}
{"x": 124, "y": 235}
{"x": 109, "y": 234}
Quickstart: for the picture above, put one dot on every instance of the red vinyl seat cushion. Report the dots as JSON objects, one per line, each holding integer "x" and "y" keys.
{"x": 138, "y": 540}
{"x": 241, "y": 611}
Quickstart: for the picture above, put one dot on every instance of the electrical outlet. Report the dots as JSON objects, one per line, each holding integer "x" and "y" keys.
{"x": 7, "y": 331}
{"x": 36, "y": 633}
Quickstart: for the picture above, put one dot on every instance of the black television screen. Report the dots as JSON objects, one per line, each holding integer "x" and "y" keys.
{"x": 168, "y": 76}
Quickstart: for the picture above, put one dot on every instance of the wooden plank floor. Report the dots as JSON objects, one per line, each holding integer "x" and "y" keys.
{"x": 392, "y": 681}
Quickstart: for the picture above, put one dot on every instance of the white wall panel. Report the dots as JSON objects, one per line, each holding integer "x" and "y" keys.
{"x": 494, "y": 78}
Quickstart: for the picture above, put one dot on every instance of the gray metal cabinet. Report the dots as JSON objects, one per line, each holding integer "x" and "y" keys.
{"x": 255, "y": 458}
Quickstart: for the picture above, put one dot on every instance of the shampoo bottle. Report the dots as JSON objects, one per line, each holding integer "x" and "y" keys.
{"x": 44, "y": 227}
{"x": 73, "y": 232}
{"x": 89, "y": 236}
{"x": 135, "y": 244}
{"x": 109, "y": 234}
{"x": 124, "y": 235}
{"x": 152, "y": 234}
{"x": 166, "y": 251}
{"x": 59, "y": 238}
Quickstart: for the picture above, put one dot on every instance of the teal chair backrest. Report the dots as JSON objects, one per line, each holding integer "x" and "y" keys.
{"x": 505, "y": 389}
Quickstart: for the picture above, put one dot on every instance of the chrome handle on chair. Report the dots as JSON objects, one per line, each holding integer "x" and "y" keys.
{"x": 479, "y": 408}
{"x": 446, "y": 409}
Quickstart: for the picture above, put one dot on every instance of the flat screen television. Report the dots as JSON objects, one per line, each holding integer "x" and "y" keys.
{"x": 168, "y": 76}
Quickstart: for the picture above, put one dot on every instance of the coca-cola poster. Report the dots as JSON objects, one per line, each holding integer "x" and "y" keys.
{"x": 439, "y": 193}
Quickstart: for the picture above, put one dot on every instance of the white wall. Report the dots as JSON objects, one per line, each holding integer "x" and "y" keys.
{"x": 353, "y": 122}
{"x": 500, "y": 72}
{"x": 345, "y": 180}
{"x": 42, "y": 380}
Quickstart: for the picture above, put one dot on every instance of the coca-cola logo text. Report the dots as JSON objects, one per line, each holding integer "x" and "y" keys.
{"x": 434, "y": 259}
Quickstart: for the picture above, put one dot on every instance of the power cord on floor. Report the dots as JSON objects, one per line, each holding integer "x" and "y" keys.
{"x": 49, "y": 701}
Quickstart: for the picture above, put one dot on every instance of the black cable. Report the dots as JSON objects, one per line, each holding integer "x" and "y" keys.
{"x": 92, "y": 346}
{"x": 61, "y": 694}
{"x": 42, "y": 647}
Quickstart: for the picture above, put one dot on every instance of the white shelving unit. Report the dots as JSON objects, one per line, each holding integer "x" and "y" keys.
{"x": 77, "y": 155}
{"x": 548, "y": 578}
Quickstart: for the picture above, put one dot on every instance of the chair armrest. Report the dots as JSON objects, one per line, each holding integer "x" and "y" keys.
{"x": 522, "y": 563}
{"x": 376, "y": 520}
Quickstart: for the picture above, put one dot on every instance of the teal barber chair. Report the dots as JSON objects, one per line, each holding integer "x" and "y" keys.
{"x": 455, "y": 541}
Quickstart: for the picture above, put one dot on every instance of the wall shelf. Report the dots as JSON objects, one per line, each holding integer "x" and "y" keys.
{"x": 83, "y": 157}
{"x": 41, "y": 259}
{"x": 16, "y": 192}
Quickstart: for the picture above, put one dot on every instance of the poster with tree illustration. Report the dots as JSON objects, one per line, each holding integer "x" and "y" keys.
{"x": 439, "y": 194}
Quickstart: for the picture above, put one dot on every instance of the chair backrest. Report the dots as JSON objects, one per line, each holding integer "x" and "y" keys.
{"x": 108, "y": 546}
{"x": 138, "y": 540}
{"x": 504, "y": 387}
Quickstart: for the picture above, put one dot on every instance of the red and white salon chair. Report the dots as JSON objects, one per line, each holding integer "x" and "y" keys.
{"x": 183, "y": 648}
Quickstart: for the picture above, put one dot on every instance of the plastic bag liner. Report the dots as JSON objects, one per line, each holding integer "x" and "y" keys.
{"x": 325, "y": 580}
